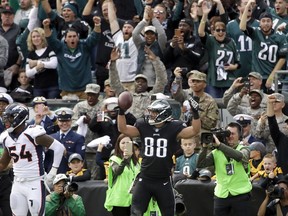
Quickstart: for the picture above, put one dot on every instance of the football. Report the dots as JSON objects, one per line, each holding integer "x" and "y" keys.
{"x": 125, "y": 100}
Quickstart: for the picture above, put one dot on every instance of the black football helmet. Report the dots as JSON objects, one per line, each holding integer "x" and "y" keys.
{"x": 14, "y": 115}
{"x": 164, "y": 110}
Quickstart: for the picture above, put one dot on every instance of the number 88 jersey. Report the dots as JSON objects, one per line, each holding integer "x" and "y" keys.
{"x": 158, "y": 147}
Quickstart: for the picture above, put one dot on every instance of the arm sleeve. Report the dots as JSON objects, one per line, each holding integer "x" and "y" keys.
{"x": 52, "y": 63}
{"x": 136, "y": 34}
{"x": 234, "y": 107}
{"x": 118, "y": 168}
{"x": 161, "y": 35}
{"x": 86, "y": 176}
{"x": 51, "y": 204}
{"x": 3, "y": 52}
{"x": 76, "y": 206}
{"x": 114, "y": 79}
{"x": 30, "y": 72}
{"x": 230, "y": 152}
{"x": 33, "y": 19}
{"x": 100, "y": 163}
{"x": 161, "y": 76}
{"x": 274, "y": 129}
{"x": 58, "y": 149}
{"x": 205, "y": 160}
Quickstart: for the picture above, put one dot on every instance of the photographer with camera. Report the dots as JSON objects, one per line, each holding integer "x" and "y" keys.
{"x": 63, "y": 200}
{"x": 232, "y": 191}
{"x": 278, "y": 197}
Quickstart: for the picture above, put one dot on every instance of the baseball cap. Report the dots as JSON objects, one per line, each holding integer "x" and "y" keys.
{"x": 92, "y": 88}
{"x": 196, "y": 75}
{"x": 243, "y": 119}
{"x": 75, "y": 156}
{"x": 279, "y": 97}
{"x": 59, "y": 177}
{"x": 130, "y": 22}
{"x": 256, "y": 75}
{"x": 64, "y": 114}
{"x": 111, "y": 103}
{"x": 265, "y": 15}
{"x": 258, "y": 146}
{"x": 256, "y": 91}
{"x": 6, "y": 98}
{"x": 140, "y": 76}
{"x": 106, "y": 82}
{"x": 204, "y": 175}
{"x": 7, "y": 9}
{"x": 187, "y": 21}
{"x": 150, "y": 28}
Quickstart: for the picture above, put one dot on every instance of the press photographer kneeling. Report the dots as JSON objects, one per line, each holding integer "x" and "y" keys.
{"x": 276, "y": 200}
{"x": 63, "y": 200}
{"x": 230, "y": 159}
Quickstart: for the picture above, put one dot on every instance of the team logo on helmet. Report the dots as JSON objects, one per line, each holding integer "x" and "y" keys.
{"x": 163, "y": 110}
{"x": 14, "y": 115}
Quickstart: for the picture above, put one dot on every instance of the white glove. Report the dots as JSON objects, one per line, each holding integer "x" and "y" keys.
{"x": 50, "y": 177}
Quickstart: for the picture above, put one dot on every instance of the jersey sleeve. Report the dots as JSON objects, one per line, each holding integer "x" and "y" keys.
{"x": 35, "y": 131}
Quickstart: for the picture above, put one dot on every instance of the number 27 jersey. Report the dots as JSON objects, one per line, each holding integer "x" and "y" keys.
{"x": 27, "y": 156}
{"x": 158, "y": 147}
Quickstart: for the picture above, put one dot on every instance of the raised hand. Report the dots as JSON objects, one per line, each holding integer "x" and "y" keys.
{"x": 115, "y": 54}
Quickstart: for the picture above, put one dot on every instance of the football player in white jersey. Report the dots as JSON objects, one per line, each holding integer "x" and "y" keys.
{"x": 25, "y": 145}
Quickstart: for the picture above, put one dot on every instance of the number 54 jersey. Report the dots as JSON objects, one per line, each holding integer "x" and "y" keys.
{"x": 27, "y": 156}
{"x": 158, "y": 147}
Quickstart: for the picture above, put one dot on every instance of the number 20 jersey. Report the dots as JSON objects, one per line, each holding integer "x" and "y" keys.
{"x": 158, "y": 147}
{"x": 27, "y": 156}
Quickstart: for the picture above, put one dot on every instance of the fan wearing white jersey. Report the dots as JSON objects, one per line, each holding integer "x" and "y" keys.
{"x": 25, "y": 145}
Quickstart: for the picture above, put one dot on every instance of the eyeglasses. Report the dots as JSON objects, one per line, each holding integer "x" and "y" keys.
{"x": 220, "y": 30}
{"x": 159, "y": 11}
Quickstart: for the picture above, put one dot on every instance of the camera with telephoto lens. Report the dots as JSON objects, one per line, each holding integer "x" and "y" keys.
{"x": 70, "y": 186}
{"x": 207, "y": 137}
{"x": 275, "y": 191}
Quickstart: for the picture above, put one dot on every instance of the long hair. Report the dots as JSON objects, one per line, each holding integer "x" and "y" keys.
{"x": 119, "y": 153}
{"x": 30, "y": 45}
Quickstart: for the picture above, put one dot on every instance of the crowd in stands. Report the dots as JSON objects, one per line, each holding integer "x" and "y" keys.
{"x": 165, "y": 50}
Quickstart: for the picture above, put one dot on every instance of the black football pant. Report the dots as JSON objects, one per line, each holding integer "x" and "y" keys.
{"x": 240, "y": 205}
{"x": 161, "y": 190}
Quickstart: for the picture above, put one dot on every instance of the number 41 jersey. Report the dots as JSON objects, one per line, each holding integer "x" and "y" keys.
{"x": 27, "y": 156}
{"x": 158, "y": 147}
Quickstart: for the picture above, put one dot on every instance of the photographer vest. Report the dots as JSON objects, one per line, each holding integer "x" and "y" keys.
{"x": 234, "y": 184}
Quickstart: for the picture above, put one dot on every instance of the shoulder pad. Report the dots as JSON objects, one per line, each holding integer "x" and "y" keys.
{"x": 35, "y": 130}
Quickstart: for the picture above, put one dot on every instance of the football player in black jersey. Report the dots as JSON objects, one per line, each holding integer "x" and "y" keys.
{"x": 159, "y": 136}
